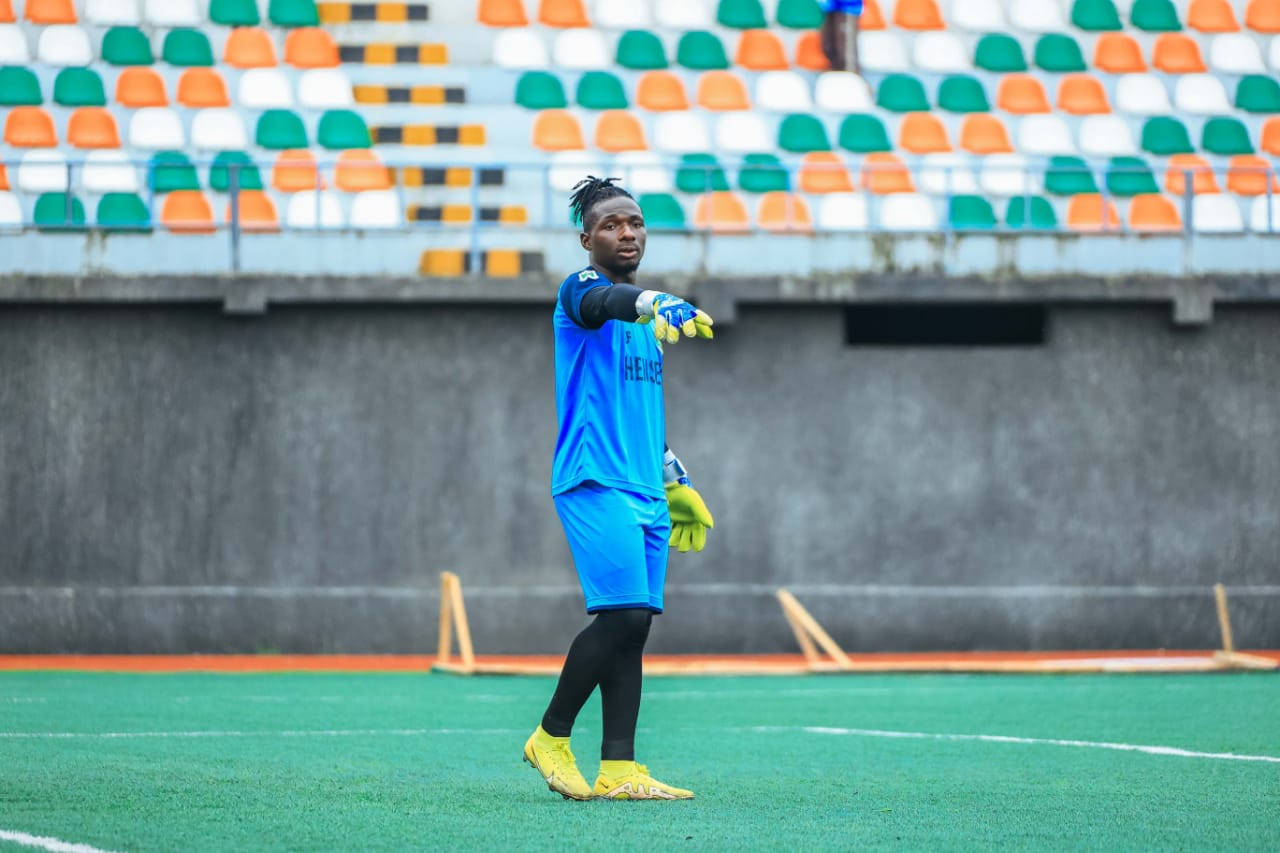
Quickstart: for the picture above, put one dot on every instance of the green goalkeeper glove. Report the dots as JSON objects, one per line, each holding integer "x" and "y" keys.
{"x": 671, "y": 315}
{"x": 690, "y": 518}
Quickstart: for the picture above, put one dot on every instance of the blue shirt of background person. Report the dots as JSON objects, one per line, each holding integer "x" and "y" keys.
{"x": 848, "y": 7}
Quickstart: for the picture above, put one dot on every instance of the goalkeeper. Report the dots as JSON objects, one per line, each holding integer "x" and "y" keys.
{"x": 621, "y": 494}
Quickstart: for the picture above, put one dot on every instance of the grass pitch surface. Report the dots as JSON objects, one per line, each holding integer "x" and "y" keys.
{"x": 403, "y": 761}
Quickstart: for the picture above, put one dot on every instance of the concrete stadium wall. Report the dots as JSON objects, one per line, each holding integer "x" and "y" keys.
{"x": 174, "y": 479}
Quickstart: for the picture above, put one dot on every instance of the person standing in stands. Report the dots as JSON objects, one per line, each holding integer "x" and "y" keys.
{"x": 840, "y": 33}
{"x": 622, "y": 496}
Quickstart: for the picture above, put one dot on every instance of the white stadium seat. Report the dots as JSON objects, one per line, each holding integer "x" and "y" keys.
{"x": 376, "y": 209}
{"x": 986, "y": 17}
{"x": 742, "y": 132}
{"x": 784, "y": 91}
{"x": 1106, "y": 136}
{"x": 1201, "y": 94}
{"x": 907, "y": 212}
{"x": 941, "y": 51}
{"x": 642, "y": 171}
{"x": 681, "y": 132}
{"x": 1044, "y": 134}
{"x": 1216, "y": 213}
{"x": 1142, "y": 94}
{"x": 946, "y": 174}
{"x": 1037, "y": 16}
{"x": 842, "y": 212}
{"x": 622, "y": 15}
{"x": 1007, "y": 174}
{"x": 1273, "y": 53}
{"x": 882, "y": 50}
{"x": 10, "y": 212}
{"x": 156, "y": 128}
{"x": 578, "y": 48}
{"x": 64, "y": 45}
{"x": 219, "y": 130}
{"x": 1258, "y": 214}
{"x": 105, "y": 13}
{"x": 173, "y": 13}
{"x": 13, "y": 45}
{"x": 1235, "y": 53}
{"x": 567, "y": 168}
{"x": 325, "y": 88}
{"x": 43, "y": 171}
{"x": 309, "y": 209}
{"x": 684, "y": 14}
{"x": 519, "y": 48}
{"x": 109, "y": 172}
{"x": 264, "y": 88}
{"x": 840, "y": 91}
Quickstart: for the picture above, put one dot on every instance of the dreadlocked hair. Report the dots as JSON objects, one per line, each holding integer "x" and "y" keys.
{"x": 589, "y": 192}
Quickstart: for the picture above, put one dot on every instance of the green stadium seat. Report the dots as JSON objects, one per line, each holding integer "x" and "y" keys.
{"x": 1225, "y": 136}
{"x": 234, "y": 13}
{"x": 123, "y": 212}
{"x": 280, "y": 129}
{"x": 79, "y": 87}
{"x": 763, "y": 173}
{"x": 661, "y": 211}
{"x": 864, "y": 134}
{"x": 901, "y": 93}
{"x": 700, "y": 173}
{"x": 741, "y": 15}
{"x": 1130, "y": 176}
{"x": 126, "y": 46}
{"x": 220, "y": 172}
{"x": 1258, "y": 94}
{"x": 1155, "y": 16}
{"x": 999, "y": 52}
{"x": 1059, "y": 53}
{"x": 1041, "y": 209}
{"x": 1069, "y": 176}
{"x": 641, "y": 50}
{"x": 293, "y": 13}
{"x": 1095, "y": 15}
{"x": 600, "y": 90}
{"x": 802, "y": 133}
{"x": 340, "y": 130}
{"x": 540, "y": 90}
{"x": 51, "y": 213}
{"x": 1165, "y": 135}
{"x": 187, "y": 47}
{"x": 172, "y": 171}
{"x": 799, "y": 14}
{"x": 963, "y": 94}
{"x": 971, "y": 213}
{"x": 19, "y": 87}
{"x": 701, "y": 51}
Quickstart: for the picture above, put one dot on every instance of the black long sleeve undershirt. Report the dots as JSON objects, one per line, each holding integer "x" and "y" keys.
{"x": 609, "y": 302}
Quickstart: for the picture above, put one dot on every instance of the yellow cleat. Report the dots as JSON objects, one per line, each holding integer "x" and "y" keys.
{"x": 627, "y": 780}
{"x": 552, "y": 757}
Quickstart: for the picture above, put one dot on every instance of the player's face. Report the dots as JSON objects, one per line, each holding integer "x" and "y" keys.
{"x": 616, "y": 238}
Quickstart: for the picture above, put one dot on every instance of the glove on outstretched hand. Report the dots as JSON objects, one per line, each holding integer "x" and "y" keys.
{"x": 690, "y": 518}
{"x": 672, "y": 315}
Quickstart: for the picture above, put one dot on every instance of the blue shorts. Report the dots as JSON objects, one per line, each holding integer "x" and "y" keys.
{"x": 619, "y": 541}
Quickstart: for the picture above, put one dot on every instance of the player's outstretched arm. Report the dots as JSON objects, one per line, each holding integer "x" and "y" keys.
{"x": 672, "y": 315}
{"x": 690, "y": 518}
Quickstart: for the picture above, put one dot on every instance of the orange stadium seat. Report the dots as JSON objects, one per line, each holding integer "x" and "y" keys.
{"x": 563, "y": 13}
{"x": 809, "y": 55}
{"x": 982, "y": 133}
{"x": 249, "y": 47}
{"x": 918, "y": 15}
{"x": 139, "y": 86}
{"x": 51, "y": 12}
{"x": 619, "y": 130}
{"x": 257, "y": 212}
{"x": 723, "y": 90}
{"x": 6, "y": 12}
{"x": 1021, "y": 94}
{"x": 295, "y": 170}
{"x": 661, "y": 90}
{"x": 1270, "y": 142}
{"x": 359, "y": 169}
{"x": 1202, "y": 178}
{"x": 557, "y": 130}
{"x": 1248, "y": 174}
{"x": 824, "y": 172}
{"x": 93, "y": 127}
{"x": 502, "y": 13}
{"x": 923, "y": 133}
{"x": 188, "y": 212}
{"x": 721, "y": 212}
{"x": 1212, "y": 16}
{"x": 1176, "y": 53}
{"x": 30, "y": 127}
{"x": 202, "y": 87}
{"x": 1086, "y": 212}
{"x": 1117, "y": 53}
{"x": 871, "y": 18}
{"x": 310, "y": 47}
{"x": 1153, "y": 212}
{"x": 1082, "y": 94}
{"x": 4, "y": 177}
{"x": 1263, "y": 16}
{"x": 781, "y": 211}
{"x": 883, "y": 172}
{"x": 761, "y": 50}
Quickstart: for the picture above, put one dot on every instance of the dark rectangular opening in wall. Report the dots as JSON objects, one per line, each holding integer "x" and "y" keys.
{"x": 945, "y": 325}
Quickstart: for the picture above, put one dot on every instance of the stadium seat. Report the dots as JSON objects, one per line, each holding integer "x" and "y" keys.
{"x": 172, "y": 13}
{"x": 293, "y": 13}
{"x": 13, "y": 46}
{"x": 1255, "y": 94}
{"x": 218, "y": 129}
{"x": 662, "y": 91}
{"x": 1106, "y": 136}
{"x": 661, "y": 211}
{"x": 940, "y": 51}
{"x": 946, "y": 174}
{"x": 187, "y": 212}
{"x": 1035, "y": 212}
{"x": 1082, "y": 94}
{"x": 187, "y": 47}
{"x": 1264, "y": 214}
{"x": 1183, "y": 166}
{"x": 1154, "y": 212}
{"x": 340, "y": 130}
{"x": 234, "y": 13}
{"x": 883, "y": 173}
{"x": 883, "y": 51}
{"x": 64, "y": 44}
{"x": 801, "y": 133}
{"x": 680, "y": 132}
{"x": 1058, "y": 53}
{"x": 1142, "y": 94}
{"x": 264, "y": 88}
{"x": 622, "y": 15}
{"x": 202, "y": 87}
{"x": 782, "y": 91}
{"x": 1118, "y": 53}
{"x": 722, "y": 90}
{"x": 557, "y": 130}
{"x": 763, "y": 173}
{"x": 970, "y": 213}
{"x": 843, "y": 212}
{"x": 978, "y": 17}
{"x": 981, "y": 133}
{"x": 42, "y": 170}
{"x": 908, "y": 212}
{"x": 1089, "y": 212}
{"x": 824, "y": 172}
{"x": 107, "y": 171}
{"x": 808, "y": 52}
{"x": 278, "y": 130}
{"x": 171, "y": 171}
{"x": 1035, "y": 16}
{"x": 1216, "y": 214}
{"x": 4, "y": 177}
{"x": 1044, "y": 134}
{"x": 918, "y": 15}
{"x": 700, "y": 173}
{"x": 140, "y": 87}
{"x": 1069, "y": 176}
{"x": 721, "y": 212}
{"x": 1165, "y": 135}
{"x": 901, "y": 93}
{"x": 743, "y": 131}
{"x": 740, "y": 14}
{"x": 502, "y": 13}
{"x": 249, "y": 47}
{"x": 619, "y": 130}
{"x": 1154, "y": 16}
{"x": 50, "y": 12}
{"x": 1225, "y": 136}
{"x": 295, "y": 170}
{"x": 761, "y": 50}
{"x": 540, "y": 90}
{"x": 6, "y": 12}
{"x": 256, "y": 210}
{"x": 781, "y": 212}
{"x": 1021, "y": 94}
{"x": 1201, "y": 94}
{"x": 105, "y": 13}
{"x": 1212, "y": 16}
{"x": 1235, "y": 53}
{"x": 566, "y": 168}
{"x": 313, "y": 47}
{"x": 93, "y": 127}
{"x": 1262, "y": 16}
{"x": 1130, "y": 176}
{"x": 644, "y": 171}
{"x": 701, "y": 51}
{"x": 641, "y": 50}
{"x": 1007, "y": 175}
{"x": 19, "y": 87}
{"x": 122, "y": 211}
{"x": 1095, "y": 15}
{"x": 842, "y": 92}
{"x": 1270, "y": 142}
{"x": 1176, "y": 53}
{"x": 376, "y": 209}
{"x": 600, "y": 90}
{"x": 562, "y": 13}
{"x": 682, "y": 14}
{"x": 58, "y": 211}
{"x": 871, "y": 18}
{"x": 237, "y": 164}
{"x": 798, "y": 14}
{"x": 1250, "y": 175}
{"x": 863, "y": 134}
{"x": 580, "y": 49}
{"x": 79, "y": 87}
{"x": 923, "y": 133}
{"x": 30, "y": 127}
{"x": 325, "y": 88}
{"x": 962, "y": 94}
{"x": 126, "y": 46}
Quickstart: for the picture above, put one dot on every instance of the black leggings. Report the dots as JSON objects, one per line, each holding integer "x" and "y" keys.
{"x": 607, "y": 653}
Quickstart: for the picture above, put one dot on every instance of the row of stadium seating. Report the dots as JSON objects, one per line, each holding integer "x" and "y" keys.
{"x": 166, "y": 13}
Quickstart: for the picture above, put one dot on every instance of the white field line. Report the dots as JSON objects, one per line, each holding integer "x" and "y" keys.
{"x": 1033, "y": 741}
{"x": 235, "y": 734}
{"x": 44, "y": 843}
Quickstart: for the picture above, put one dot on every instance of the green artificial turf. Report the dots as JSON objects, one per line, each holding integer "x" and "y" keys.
{"x": 399, "y": 762}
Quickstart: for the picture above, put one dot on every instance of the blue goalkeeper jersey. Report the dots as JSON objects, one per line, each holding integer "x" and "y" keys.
{"x": 608, "y": 398}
